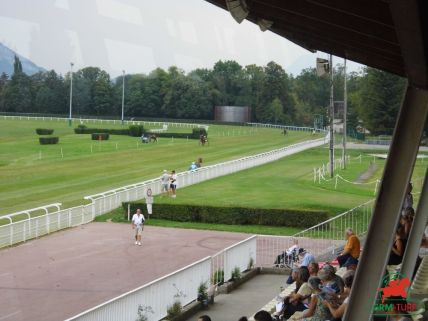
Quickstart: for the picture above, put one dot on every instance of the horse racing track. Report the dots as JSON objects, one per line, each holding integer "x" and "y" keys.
{"x": 65, "y": 273}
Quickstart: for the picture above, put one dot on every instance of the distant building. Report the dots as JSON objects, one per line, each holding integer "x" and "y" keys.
{"x": 236, "y": 114}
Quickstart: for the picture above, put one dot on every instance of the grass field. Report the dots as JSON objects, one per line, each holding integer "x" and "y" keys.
{"x": 32, "y": 175}
{"x": 288, "y": 183}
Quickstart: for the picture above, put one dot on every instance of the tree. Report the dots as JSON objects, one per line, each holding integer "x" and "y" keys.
{"x": 381, "y": 95}
{"x": 17, "y": 65}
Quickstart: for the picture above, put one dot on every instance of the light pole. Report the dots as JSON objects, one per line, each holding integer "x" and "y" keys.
{"x": 331, "y": 119}
{"x": 345, "y": 107}
{"x": 123, "y": 93}
{"x": 71, "y": 92}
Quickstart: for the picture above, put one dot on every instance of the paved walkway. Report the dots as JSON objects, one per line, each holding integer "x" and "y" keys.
{"x": 246, "y": 300}
{"x": 373, "y": 147}
{"x": 65, "y": 273}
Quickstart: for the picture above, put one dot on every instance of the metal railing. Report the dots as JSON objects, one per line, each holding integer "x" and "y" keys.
{"x": 320, "y": 239}
{"x": 287, "y": 127}
{"x": 106, "y": 121}
{"x": 154, "y": 298}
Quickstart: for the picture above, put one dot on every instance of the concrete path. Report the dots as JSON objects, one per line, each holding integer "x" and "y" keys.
{"x": 63, "y": 274}
{"x": 246, "y": 300}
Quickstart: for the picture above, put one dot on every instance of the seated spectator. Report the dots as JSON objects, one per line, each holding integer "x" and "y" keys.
{"x": 293, "y": 276}
{"x": 328, "y": 284}
{"x": 306, "y": 257}
{"x": 317, "y": 311}
{"x": 334, "y": 277}
{"x": 289, "y": 256}
{"x": 297, "y": 300}
{"x": 406, "y": 220}
{"x": 408, "y": 199}
{"x": 262, "y": 315}
{"x": 204, "y": 318}
{"x": 351, "y": 250}
{"x": 338, "y": 311}
{"x": 397, "y": 251}
{"x": 351, "y": 264}
{"x": 313, "y": 269}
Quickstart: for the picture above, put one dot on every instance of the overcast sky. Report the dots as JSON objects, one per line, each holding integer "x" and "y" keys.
{"x": 140, "y": 35}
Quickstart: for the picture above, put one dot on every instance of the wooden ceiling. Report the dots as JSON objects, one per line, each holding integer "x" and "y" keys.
{"x": 388, "y": 35}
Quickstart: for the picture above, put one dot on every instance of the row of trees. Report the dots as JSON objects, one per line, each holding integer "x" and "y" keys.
{"x": 275, "y": 96}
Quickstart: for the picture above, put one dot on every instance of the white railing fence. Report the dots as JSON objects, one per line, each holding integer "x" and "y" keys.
{"x": 320, "y": 239}
{"x": 293, "y": 128}
{"x": 82, "y": 121}
{"x": 155, "y": 297}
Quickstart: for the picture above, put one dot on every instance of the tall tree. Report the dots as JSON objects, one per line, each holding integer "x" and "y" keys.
{"x": 381, "y": 95}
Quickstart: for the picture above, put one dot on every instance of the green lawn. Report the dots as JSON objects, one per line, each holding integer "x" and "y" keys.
{"x": 288, "y": 183}
{"x": 32, "y": 175}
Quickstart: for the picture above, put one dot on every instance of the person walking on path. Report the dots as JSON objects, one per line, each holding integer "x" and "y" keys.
{"x": 138, "y": 225}
{"x": 149, "y": 201}
{"x": 173, "y": 184}
{"x": 164, "y": 182}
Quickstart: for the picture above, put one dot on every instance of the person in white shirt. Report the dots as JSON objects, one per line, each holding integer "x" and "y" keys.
{"x": 173, "y": 184}
{"x": 149, "y": 201}
{"x": 138, "y": 225}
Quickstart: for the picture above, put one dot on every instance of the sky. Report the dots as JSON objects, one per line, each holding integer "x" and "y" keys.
{"x": 139, "y": 35}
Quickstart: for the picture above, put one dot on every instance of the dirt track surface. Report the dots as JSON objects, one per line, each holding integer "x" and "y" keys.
{"x": 63, "y": 274}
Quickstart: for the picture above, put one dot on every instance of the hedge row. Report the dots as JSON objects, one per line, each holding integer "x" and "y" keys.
{"x": 81, "y": 130}
{"x": 138, "y": 131}
{"x": 44, "y": 131}
{"x": 48, "y": 140}
{"x": 234, "y": 215}
{"x": 100, "y": 136}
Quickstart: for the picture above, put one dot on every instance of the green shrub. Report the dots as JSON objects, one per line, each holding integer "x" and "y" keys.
{"x": 81, "y": 126}
{"x": 236, "y": 273}
{"x": 174, "y": 310}
{"x": 100, "y": 136}
{"x": 218, "y": 277}
{"x": 44, "y": 131}
{"x": 84, "y": 130}
{"x": 136, "y": 130}
{"x": 197, "y": 132}
{"x": 48, "y": 140}
{"x": 176, "y": 135}
{"x": 234, "y": 215}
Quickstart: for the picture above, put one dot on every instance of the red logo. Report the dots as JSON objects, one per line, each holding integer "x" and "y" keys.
{"x": 395, "y": 288}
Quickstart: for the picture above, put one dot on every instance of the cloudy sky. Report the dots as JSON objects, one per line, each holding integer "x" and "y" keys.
{"x": 140, "y": 35}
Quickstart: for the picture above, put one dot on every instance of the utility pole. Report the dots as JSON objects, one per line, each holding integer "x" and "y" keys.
{"x": 123, "y": 93}
{"x": 331, "y": 118}
{"x": 345, "y": 110}
{"x": 71, "y": 93}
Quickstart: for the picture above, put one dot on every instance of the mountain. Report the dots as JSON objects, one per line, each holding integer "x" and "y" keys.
{"x": 7, "y": 58}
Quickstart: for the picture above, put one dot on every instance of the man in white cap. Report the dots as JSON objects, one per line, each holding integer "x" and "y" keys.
{"x": 165, "y": 182}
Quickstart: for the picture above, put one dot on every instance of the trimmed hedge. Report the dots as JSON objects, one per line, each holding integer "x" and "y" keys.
{"x": 48, "y": 140}
{"x": 136, "y": 130}
{"x": 234, "y": 215}
{"x": 81, "y": 130}
{"x": 197, "y": 132}
{"x": 44, "y": 131}
{"x": 100, "y": 136}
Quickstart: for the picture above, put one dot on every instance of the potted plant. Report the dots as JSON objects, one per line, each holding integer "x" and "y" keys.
{"x": 203, "y": 294}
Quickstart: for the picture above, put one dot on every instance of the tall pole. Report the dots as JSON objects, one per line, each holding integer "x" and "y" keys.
{"x": 331, "y": 119}
{"x": 123, "y": 93}
{"x": 345, "y": 110}
{"x": 71, "y": 93}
